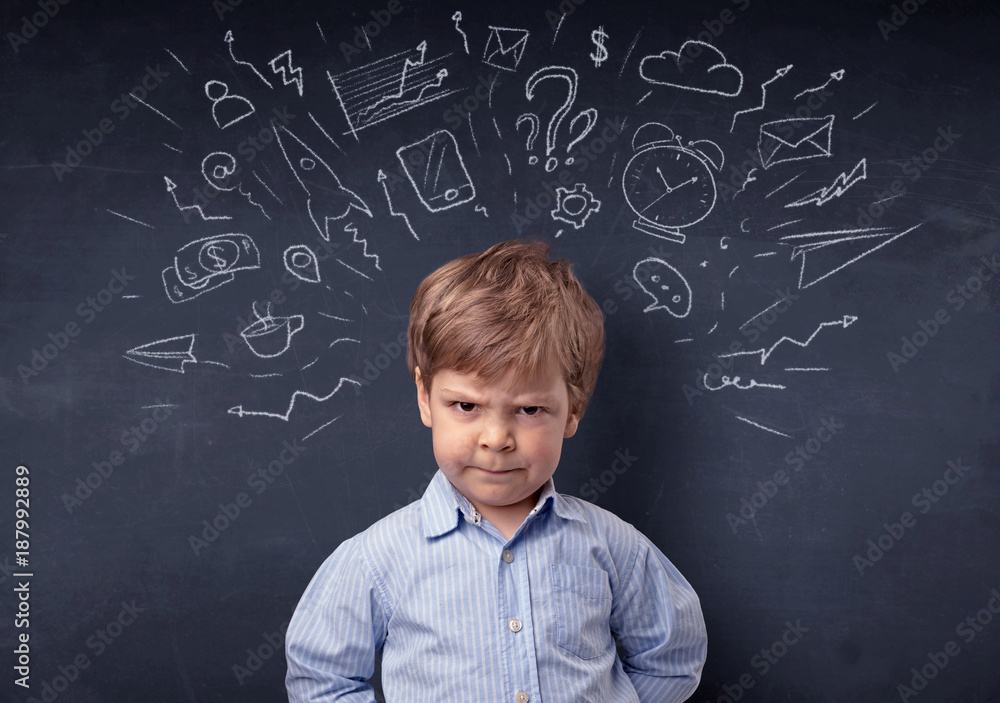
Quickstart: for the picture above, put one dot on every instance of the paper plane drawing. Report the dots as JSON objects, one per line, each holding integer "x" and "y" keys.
{"x": 825, "y": 253}
{"x": 168, "y": 354}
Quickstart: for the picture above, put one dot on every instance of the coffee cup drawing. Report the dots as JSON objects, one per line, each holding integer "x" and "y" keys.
{"x": 271, "y": 336}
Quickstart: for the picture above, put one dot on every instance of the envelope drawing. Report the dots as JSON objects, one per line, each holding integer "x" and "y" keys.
{"x": 795, "y": 139}
{"x": 505, "y": 47}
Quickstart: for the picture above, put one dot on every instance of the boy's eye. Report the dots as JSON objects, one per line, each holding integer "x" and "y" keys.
{"x": 532, "y": 410}
{"x": 466, "y": 407}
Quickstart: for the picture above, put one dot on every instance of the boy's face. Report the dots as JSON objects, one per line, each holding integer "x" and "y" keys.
{"x": 498, "y": 443}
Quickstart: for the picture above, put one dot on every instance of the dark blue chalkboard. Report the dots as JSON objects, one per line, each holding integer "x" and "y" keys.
{"x": 214, "y": 217}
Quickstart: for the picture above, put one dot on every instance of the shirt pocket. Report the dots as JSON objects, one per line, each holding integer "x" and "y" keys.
{"x": 582, "y": 604}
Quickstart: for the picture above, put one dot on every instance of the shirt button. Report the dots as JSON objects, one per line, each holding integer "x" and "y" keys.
{"x": 508, "y": 556}
{"x": 521, "y": 697}
{"x": 515, "y": 626}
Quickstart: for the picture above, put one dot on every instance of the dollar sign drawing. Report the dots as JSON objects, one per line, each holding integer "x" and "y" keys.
{"x": 598, "y": 36}
{"x": 215, "y": 254}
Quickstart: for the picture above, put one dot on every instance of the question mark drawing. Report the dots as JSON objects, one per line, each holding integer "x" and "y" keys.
{"x": 532, "y": 134}
{"x": 591, "y": 115}
{"x": 572, "y": 79}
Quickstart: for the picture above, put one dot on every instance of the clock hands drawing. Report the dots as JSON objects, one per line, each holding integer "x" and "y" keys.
{"x": 662, "y": 159}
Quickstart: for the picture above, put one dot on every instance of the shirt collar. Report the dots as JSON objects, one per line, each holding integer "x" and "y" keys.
{"x": 442, "y": 506}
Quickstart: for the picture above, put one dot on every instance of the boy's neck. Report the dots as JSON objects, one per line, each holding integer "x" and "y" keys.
{"x": 507, "y": 518}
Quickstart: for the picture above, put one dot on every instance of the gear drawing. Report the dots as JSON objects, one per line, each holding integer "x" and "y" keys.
{"x": 575, "y": 206}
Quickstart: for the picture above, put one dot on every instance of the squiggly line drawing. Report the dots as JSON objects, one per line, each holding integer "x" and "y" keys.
{"x": 240, "y": 412}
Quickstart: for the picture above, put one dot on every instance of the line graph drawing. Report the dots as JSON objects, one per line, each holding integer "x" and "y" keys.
{"x": 827, "y": 250}
{"x": 835, "y": 76}
{"x": 290, "y": 74}
{"x": 437, "y": 172}
{"x": 381, "y": 179}
{"x": 457, "y": 17}
{"x": 844, "y": 322}
{"x": 505, "y": 47}
{"x": 389, "y": 87}
{"x": 780, "y": 73}
{"x": 240, "y": 412}
{"x": 172, "y": 189}
{"x": 229, "y": 39}
{"x": 332, "y": 200}
{"x": 839, "y": 186}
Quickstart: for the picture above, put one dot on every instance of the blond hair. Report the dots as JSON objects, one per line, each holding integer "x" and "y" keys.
{"x": 507, "y": 310}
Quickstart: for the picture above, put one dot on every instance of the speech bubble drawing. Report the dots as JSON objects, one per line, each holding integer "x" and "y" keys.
{"x": 665, "y": 285}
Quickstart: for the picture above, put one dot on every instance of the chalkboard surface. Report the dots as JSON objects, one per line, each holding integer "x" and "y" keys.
{"x": 215, "y": 214}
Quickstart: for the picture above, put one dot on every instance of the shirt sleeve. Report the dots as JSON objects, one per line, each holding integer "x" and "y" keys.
{"x": 338, "y": 626}
{"x": 658, "y": 621}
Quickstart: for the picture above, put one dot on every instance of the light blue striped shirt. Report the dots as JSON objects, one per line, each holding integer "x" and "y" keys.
{"x": 464, "y": 615}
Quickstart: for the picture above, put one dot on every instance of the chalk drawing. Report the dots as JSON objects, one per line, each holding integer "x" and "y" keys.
{"x": 710, "y": 73}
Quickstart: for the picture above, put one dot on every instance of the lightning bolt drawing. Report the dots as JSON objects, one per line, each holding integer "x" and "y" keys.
{"x": 351, "y": 229}
{"x": 763, "y": 94}
{"x": 289, "y": 73}
{"x": 845, "y": 322}
{"x": 381, "y": 179}
{"x": 840, "y": 184}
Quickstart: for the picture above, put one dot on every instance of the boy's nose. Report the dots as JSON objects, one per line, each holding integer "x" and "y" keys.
{"x": 496, "y": 436}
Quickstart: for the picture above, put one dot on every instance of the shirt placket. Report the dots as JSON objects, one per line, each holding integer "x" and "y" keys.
{"x": 516, "y": 622}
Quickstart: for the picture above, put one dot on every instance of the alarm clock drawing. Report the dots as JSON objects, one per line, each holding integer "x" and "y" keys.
{"x": 668, "y": 184}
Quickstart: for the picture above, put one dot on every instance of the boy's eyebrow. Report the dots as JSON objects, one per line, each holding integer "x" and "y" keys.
{"x": 540, "y": 398}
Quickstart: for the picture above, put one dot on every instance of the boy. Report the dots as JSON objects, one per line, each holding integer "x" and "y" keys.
{"x": 493, "y": 588}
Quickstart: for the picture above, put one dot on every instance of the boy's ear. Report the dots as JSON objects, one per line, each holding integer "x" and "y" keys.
{"x": 423, "y": 398}
{"x": 572, "y": 422}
